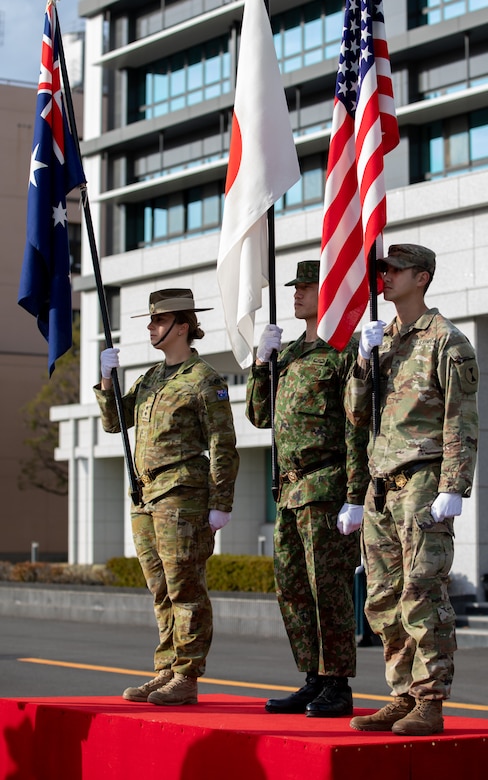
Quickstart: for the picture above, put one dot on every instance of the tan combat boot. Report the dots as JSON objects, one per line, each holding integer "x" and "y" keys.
{"x": 425, "y": 719}
{"x": 179, "y": 690}
{"x": 141, "y": 693}
{"x": 384, "y": 719}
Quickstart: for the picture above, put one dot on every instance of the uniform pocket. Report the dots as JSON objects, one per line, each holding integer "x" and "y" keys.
{"x": 432, "y": 546}
{"x": 426, "y": 523}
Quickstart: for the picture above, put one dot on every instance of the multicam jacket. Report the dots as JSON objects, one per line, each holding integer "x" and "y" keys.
{"x": 177, "y": 422}
{"x": 310, "y": 423}
{"x": 428, "y": 384}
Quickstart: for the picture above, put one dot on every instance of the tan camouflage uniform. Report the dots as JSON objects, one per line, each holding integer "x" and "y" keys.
{"x": 428, "y": 381}
{"x": 314, "y": 563}
{"x": 177, "y": 420}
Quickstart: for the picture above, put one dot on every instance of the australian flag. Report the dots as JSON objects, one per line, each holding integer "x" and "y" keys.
{"x": 45, "y": 288}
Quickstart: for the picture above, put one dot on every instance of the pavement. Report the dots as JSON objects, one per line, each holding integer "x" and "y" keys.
{"x": 241, "y": 614}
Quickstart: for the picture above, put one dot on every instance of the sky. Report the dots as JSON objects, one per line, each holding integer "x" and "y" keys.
{"x": 21, "y": 28}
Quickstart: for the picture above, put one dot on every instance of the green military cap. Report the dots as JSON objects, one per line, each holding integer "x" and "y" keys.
{"x": 307, "y": 273}
{"x": 410, "y": 256}
{"x": 167, "y": 301}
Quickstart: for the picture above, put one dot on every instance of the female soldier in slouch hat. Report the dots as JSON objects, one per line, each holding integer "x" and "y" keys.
{"x": 180, "y": 409}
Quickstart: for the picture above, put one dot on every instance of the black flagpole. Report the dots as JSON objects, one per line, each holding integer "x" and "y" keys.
{"x": 275, "y": 476}
{"x": 135, "y": 494}
{"x": 378, "y": 484}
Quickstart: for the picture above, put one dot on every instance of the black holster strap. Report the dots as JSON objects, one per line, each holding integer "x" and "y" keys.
{"x": 294, "y": 475}
{"x": 150, "y": 474}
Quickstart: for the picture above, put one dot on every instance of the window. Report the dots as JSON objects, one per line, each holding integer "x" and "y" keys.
{"x": 309, "y": 34}
{"x": 74, "y": 235}
{"x": 422, "y": 12}
{"x": 451, "y": 146}
{"x": 193, "y": 211}
{"x": 183, "y": 79}
{"x": 459, "y": 68}
{"x": 308, "y": 190}
{"x": 112, "y": 297}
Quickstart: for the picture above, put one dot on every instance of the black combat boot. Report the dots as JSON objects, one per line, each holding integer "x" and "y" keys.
{"x": 297, "y": 702}
{"x": 334, "y": 700}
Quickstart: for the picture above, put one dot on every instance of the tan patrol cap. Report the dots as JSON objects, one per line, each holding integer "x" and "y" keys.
{"x": 167, "y": 301}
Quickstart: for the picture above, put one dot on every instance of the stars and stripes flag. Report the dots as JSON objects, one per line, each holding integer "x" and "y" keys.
{"x": 45, "y": 288}
{"x": 364, "y": 129}
{"x": 262, "y": 166}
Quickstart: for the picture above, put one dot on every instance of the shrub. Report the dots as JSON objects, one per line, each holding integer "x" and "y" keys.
{"x": 56, "y": 573}
{"x": 245, "y": 573}
{"x": 127, "y": 572}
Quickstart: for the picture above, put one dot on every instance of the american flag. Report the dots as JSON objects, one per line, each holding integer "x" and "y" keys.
{"x": 364, "y": 129}
{"x": 45, "y": 288}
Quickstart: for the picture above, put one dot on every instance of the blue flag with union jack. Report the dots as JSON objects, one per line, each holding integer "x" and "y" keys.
{"x": 45, "y": 286}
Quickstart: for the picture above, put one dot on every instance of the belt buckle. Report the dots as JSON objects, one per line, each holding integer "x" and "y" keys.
{"x": 401, "y": 480}
{"x": 145, "y": 479}
{"x": 292, "y": 476}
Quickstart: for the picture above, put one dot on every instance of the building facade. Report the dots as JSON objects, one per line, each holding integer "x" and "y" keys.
{"x": 35, "y": 522}
{"x": 159, "y": 91}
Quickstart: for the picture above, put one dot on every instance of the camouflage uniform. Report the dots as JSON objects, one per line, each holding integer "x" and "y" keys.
{"x": 428, "y": 383}
{"x": 314, "y": 563}
{"x": 176, "y": 421}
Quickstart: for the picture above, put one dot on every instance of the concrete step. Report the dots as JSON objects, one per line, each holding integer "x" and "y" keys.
{"x": 240, "y": 613}
{"x": 477, "y": 622}
{"x": 477, "y": 608}
{"x": 472, "y": 637}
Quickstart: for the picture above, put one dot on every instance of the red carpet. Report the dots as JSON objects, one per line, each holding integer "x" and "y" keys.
{"x": 221, "y": 738}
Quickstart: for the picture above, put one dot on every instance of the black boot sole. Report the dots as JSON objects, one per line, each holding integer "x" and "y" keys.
{"x": 329, "y": 713}
{"x": 291, "y": 709}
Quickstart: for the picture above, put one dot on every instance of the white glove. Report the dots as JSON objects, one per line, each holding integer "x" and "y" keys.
{"x": 371, "y": 336}
{"x": 109, "y": 359}
{"x": 349, "y": 518}
{"x": 217, "y": 519}
{"x": 270, "y": 340}
{"x": 446, "y": 505}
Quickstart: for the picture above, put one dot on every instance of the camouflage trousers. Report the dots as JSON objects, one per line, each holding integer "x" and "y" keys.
{"x": 173, "y": 541}
{"x": 407, "y": 558}
{"x": 314, "y": 571}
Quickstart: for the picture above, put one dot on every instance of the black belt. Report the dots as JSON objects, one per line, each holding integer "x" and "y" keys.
{"x": 399, "y": 479}
{"x": 150, "y": 474}
{"x": 294, "y": 475}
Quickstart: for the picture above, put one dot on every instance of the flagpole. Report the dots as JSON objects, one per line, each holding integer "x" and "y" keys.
{"x": 378, "y": 484}
{"x": 275, "y": 475}
{"x": 135, "y": 493}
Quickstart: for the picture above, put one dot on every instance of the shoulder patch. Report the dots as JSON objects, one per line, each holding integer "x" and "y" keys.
{"x": 466, "y": 366}
{"x": 468, "y": 375}
{"x": 222, "y": 394}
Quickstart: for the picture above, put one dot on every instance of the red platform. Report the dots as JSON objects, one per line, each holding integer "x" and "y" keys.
{"x": 221, "y": 738}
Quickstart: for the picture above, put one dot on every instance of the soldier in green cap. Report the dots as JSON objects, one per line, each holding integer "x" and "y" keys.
{"x": 323, "y": 480}
{"x": 423, "y": 457}
{"x": 180, "y": 409}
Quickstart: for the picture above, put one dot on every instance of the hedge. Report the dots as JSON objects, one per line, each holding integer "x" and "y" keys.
{"x": 245, "y": 573}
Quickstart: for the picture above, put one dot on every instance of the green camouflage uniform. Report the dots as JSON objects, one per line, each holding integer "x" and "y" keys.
{"x": 428, "y": 384}
{"x": 314, "y": 563}
{"x": 177, "y": 421}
